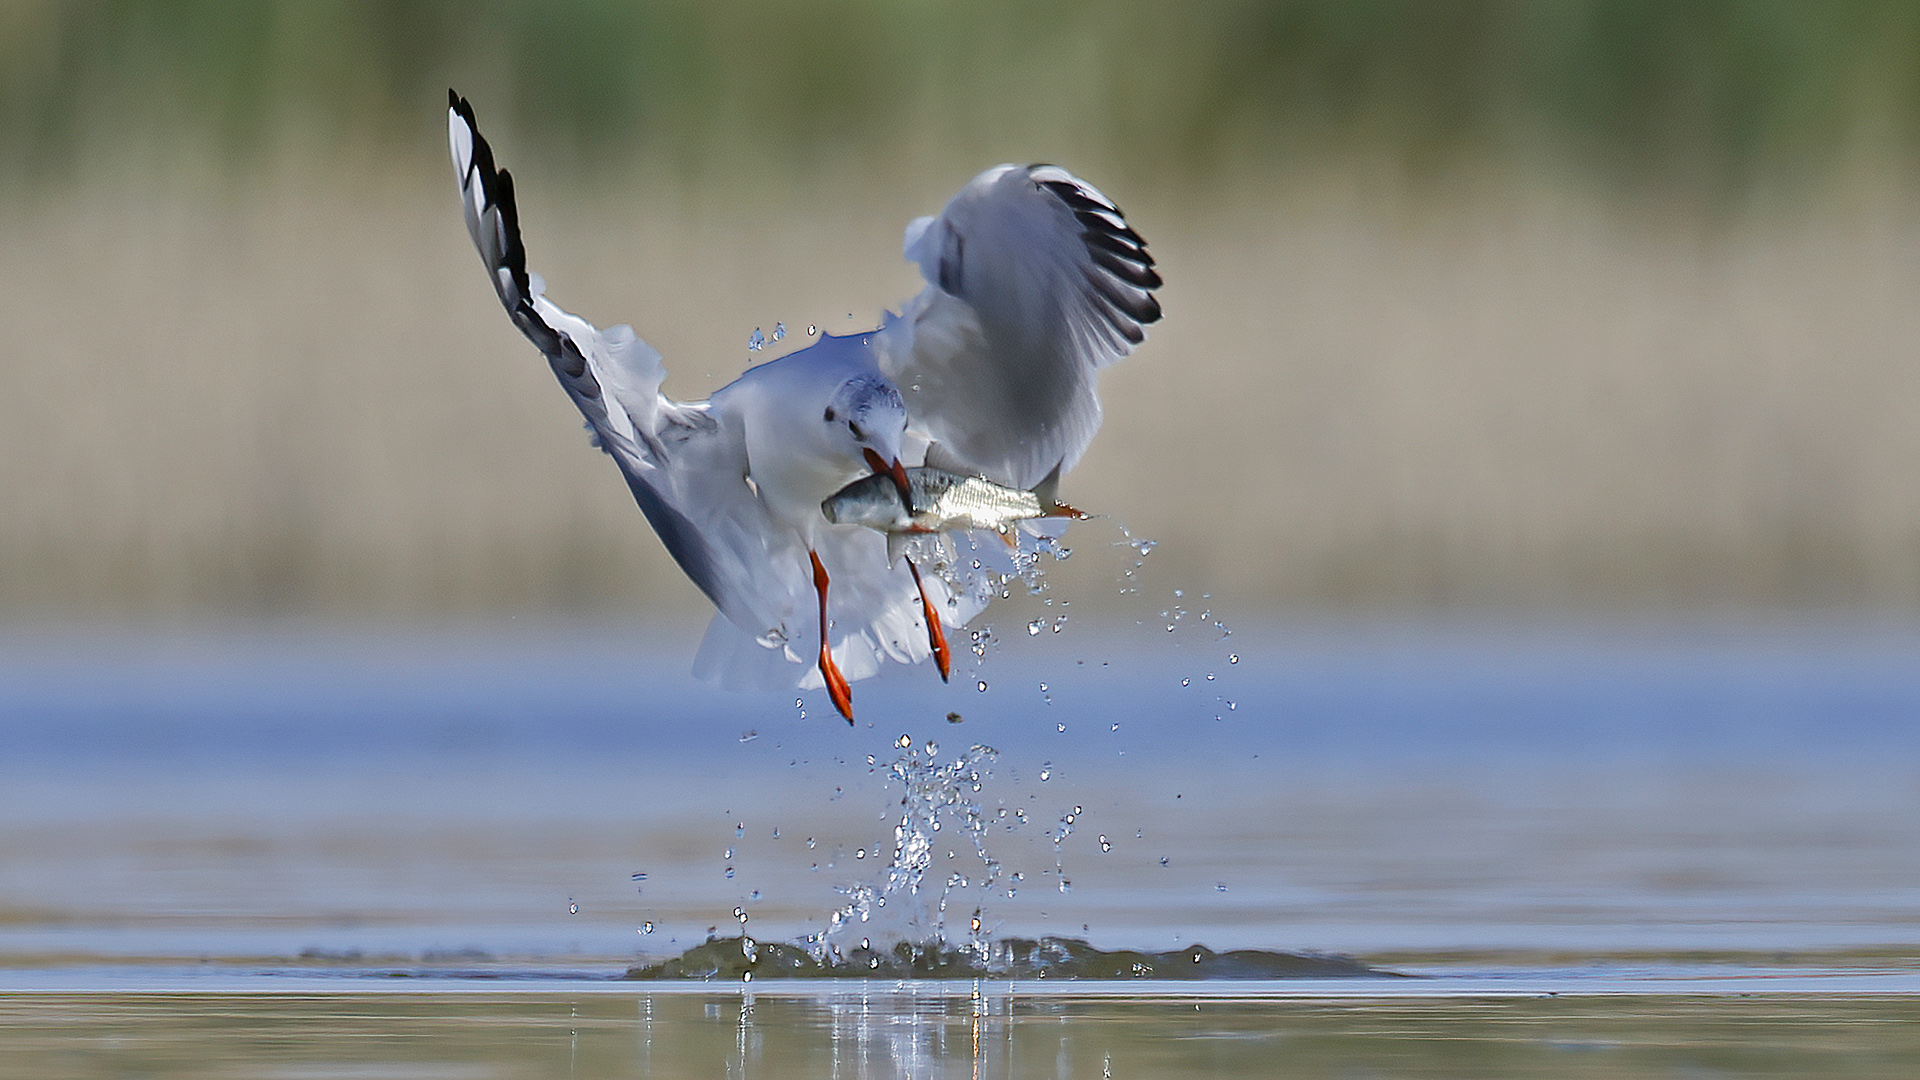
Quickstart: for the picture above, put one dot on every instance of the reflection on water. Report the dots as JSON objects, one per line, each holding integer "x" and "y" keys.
{"x": 869, "y": 1031}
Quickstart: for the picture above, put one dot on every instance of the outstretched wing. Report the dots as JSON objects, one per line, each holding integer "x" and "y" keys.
{"x": 1035, "y": 281}
{"x": 685, "y": 465}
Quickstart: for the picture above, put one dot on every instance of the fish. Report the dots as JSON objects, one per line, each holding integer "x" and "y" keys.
{"x": 938, "y": 501}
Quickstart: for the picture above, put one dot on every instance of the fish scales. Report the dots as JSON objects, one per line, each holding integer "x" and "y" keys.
{"x": 941, "y": 502}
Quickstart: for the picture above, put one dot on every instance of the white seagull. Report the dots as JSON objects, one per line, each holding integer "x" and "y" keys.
{"x": 1034, "y": 283}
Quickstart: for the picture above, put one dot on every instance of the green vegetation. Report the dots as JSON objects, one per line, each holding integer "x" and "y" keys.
{"x": 1709, "y": 97}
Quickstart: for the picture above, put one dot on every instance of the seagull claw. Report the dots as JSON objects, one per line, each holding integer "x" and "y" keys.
{"x": 936, "y": 634}
{"x": 837, "y": 688}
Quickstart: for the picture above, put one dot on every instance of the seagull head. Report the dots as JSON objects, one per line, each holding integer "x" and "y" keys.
{"x": 867, "y": 415}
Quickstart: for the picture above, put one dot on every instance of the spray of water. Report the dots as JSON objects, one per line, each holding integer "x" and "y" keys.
{"x": 911, "y": 905}
{"x": 899, "y": 926}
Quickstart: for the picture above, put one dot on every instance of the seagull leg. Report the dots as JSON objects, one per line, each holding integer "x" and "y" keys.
{"x": 837, "y": 687}
{"x": 936, "y": 636}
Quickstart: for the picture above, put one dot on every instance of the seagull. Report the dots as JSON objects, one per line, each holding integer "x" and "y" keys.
{"x": 1034, "y": 282}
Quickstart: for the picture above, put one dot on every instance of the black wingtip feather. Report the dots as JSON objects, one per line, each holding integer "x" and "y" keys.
{"x": 496, "y": 191}
{"x": 1124, "y": 279}
{"x": 1131, "y": 250}
{"x": 1140, "y": 277}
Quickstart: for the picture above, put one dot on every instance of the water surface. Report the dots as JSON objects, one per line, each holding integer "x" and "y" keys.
{"x": 302, "y": 821}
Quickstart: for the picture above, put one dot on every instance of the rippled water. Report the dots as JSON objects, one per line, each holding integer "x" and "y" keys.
{"x": 253, "y": 812}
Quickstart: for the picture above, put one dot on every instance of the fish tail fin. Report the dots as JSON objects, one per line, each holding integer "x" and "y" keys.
{"x": 1047, "y": 491}
{"x": 896, "y": 547}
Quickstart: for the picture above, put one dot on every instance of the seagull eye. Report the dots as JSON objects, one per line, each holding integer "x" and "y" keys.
{"x": 831, "y": 415}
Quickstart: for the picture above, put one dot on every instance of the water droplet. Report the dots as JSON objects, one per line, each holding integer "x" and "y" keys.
{"x": 756, "y": 340}
{"x": 1034, "y": 627}
{"x": 1105, "y": 844}
{"x": 809, "y": 843}
{"x": 572, "y": 908}
{"x": 1186, "y": 682}
{"x": 1065, "y": 885}
{"x": 1178, "y": 593}
{"x": 647, "y": 927}
{"x": 860, "y": 853}
{"x": 1061, "y": 728}
{"x": 729, "y": 873}
{"x": 728, "y": 855}
{"x": 981, "y": 686}
{"x": 1115, "y": 727}
{"x": 1043, "y": 688}
{"x": 1046, "y": 773}
{"x": 1231, "y": 706}
{"x": 748, "y": 736}
{"x": 1209, "y": 676}
{"x": 1163, "y": 860}
{"x": 1218, "y": 886}
{"x": 903, "y": 742}
{"x": 780, "y": 331}
{"x": 754, "y": 895}
{"x": 638, "y": 877}
{"x": 1233, "y": 658}
{"x": 812, "y": 329}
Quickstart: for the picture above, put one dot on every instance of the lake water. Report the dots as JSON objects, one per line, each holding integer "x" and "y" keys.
{"x": 294, "y": 850}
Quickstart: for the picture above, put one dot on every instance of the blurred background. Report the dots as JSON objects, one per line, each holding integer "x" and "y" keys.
{"x": 1536, "y": 396}
{"x": 1568, "y": 307}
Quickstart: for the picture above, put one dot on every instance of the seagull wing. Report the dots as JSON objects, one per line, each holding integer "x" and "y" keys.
{"x": 1035, "y": 281}
{"x": 685, "y": 463}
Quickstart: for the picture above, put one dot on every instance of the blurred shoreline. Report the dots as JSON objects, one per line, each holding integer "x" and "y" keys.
{"x": 302, "y": 398}
{"x": 1584, "y": 307}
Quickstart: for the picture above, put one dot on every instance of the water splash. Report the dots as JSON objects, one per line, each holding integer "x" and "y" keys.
{"x": 898, "y": 929}
{"x": 756, "y": 340}
{"x": 907, "y": 906}
{"x": 1058, "y": 834}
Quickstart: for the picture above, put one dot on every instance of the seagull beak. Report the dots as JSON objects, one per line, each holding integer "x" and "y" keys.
{"x": 895, "y": 470}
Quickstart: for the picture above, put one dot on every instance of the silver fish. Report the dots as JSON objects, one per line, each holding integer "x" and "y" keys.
{"x": 941, "y": 501}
